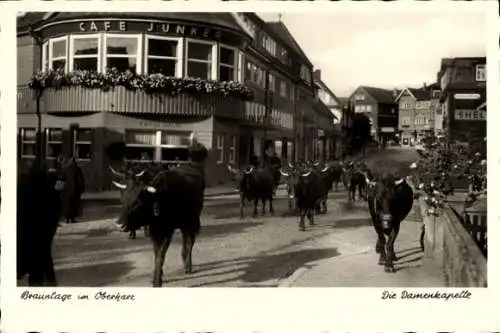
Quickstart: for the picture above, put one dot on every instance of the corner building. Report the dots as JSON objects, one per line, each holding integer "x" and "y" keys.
{"x": 82, "y": 122}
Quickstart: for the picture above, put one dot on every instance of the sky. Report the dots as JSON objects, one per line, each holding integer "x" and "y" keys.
{"x": 385, "y": 50}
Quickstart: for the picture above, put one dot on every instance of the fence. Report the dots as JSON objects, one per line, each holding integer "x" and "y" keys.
{"x": 447, "y": 240}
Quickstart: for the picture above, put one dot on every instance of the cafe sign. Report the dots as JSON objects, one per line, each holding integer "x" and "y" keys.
{"x": 467, "y": 96}
{"x": 149, "y": 27}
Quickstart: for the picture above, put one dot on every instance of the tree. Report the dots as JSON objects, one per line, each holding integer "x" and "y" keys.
{"x": 360, "y": 131}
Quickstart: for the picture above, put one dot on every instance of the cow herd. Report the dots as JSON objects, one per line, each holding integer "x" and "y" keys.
{"x": 162, "y": 201}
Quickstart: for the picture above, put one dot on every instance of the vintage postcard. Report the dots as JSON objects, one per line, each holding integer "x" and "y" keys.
{"x": 337, "y": 150}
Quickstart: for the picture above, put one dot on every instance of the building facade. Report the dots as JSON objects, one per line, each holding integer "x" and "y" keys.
{"x": 335, "y": 106}
{"x": 463, "y": 98}
{"x": 417, "y": 113}
{"x": 220, "y": 47}
{"x": 380, "y": 107}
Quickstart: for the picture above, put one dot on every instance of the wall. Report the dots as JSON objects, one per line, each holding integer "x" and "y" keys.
{"x": 28, "y": 59}
{"x": 406, "y": 113}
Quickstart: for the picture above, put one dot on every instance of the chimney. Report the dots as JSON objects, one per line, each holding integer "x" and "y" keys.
{"x": 317, "y": 74}
{"x": 425, "y": 85}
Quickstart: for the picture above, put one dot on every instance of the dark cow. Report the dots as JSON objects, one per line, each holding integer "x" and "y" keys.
{"x": 308, "y": 189}
{"x": 254, "y": 185}
{"x": 172, "y": 200}
{"x": 390, "y": 200}
{"x": 127, "y": 180}
{"x": 354, "y": 179}
{"x": 39, "y": 209}
{"x": 332, "y": 175}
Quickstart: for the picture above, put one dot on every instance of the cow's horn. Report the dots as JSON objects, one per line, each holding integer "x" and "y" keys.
{"x": 150, "y": 189}
{"x": 284, "y": 173}
{"x": 115, "y": 172}
{"x": 140, "y": 173}
{"x": 230, "y": 169}
{"x": 399, "y": 181}
{"x": 325, "y": 169}
{"x": 290, "y": 165}
{"x": 249, "y": 171}
{"x": 121, "y": 186}
{"x": 306, "y": 174}
{"x": 316, "y": 164}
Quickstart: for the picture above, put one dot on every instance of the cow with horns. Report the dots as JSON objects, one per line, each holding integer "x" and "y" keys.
{"x": 254, "y": 184}
{"x": 172, "y": 200}
{"x": 128, "y": 180}
{"x": 390, "y": 200}
{"x": 307, "y": 187}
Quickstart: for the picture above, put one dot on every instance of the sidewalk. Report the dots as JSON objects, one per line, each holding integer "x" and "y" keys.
{"x": 212, "y": 191}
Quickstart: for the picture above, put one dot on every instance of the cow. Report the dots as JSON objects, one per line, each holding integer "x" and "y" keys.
{"x": 390, "y": 200}
{"x": 39, "y": 209}
{"x": 332, "y": 175}
{"x": 128, "y": 179}
{"x": 172, "y": 200}
{"x": 307, "y": 187}
{"x": 254, "y": 184}
{"x": 354, "y": 179}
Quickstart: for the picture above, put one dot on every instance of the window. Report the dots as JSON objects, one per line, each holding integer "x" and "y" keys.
{"x": 305, "y": 74}
{"x": 436, "y": 94}
{"x": 123, "y": 52}
{"x": 57, "y": 53}
{"x": 220, "y": 148}
{"x": 85, "y": 52}
{"x": 406, "y": 106}
{"x": 232, "y": 150}
{"x": 175, "y": 146}
{"x": 481, "y": 73}
{"x": 227, "y": 63}
{"x": 406, "y": 121}
{"x": 28, "y": 142}
{"x": 54, "y": 142}
{"x": 45, "y": 56}
{"x": 164, "y": 56}
{"x": 283, "y": 87}
{"x": 368, "y": 108}
{"x": 357, "y": 108}
{"x": 359, "y": 97}
{"x": 200, "y": 60}
{"x": 418, "y": 105}
{"x": 272, "y": 82}
{"x": 292, "y": 91}
{"x": 140, "y": 145}
{"x": 83, "y": 144}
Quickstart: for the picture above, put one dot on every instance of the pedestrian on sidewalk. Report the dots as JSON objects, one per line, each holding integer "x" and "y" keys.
{"x": 74, "y": 186}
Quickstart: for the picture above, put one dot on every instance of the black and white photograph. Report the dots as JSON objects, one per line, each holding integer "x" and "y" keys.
{"x": 249, "y": 149}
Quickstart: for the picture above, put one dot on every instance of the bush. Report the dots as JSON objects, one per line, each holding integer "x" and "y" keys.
{"x": 442, "y": 161}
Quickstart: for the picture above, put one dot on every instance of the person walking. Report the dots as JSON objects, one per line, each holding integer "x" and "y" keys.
{"x": 74, "y": 185}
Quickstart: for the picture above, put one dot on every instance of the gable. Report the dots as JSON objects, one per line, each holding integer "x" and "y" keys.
{"x": 404, "y": 93}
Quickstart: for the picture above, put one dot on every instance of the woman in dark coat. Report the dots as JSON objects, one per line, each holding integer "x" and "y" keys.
{"x": 74, "y": 185}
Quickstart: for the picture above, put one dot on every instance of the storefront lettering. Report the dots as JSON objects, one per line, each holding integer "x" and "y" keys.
{"x": 153, "y": 124}
{"x": 167, "y": 28}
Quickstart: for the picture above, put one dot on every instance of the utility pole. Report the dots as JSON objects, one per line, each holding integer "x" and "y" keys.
{"x": 39, "y": 147}
{"x": 266, "y": 117}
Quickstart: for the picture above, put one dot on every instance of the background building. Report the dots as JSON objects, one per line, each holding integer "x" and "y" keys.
{"x": 463, "y": 85}
{"x": 335, "y": 107}
{"x": 380, "y": 107}
{"x": 417, "y": 108}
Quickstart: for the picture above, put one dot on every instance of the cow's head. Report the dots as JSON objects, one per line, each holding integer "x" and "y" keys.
{"x": 243, "y": 177}
{"x": 138, "y": 201}
{"x": 382, "y": 192}
{"x": 293, "y": 177}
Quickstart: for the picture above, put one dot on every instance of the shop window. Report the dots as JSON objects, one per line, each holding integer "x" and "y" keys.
{"x": 85, "y": 52}
{"x": 200, "y": 59}
{"x": 83, "y": 144}
{"x": 283, "y": 87}
{"x": 163, "y": 55}
{"x": 220, "y": 148}
{"x": 54, "y": 142}
{"x": 140, "y": 146}
{"x": 227, "y": 63}
{"x": 232, "y": 150}
{"x": 175, "y": 146}
{"x": 123, "y": 52}
{"x": 28, "y": 142}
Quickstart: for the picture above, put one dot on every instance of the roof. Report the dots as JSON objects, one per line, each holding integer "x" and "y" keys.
{"x": 384, "y": 96}
{"x": 343, "y": 100}
{"x": 280, "y": 29}
{"x": 421, "y": 94}
{"x": 223, "y": 20}
{"x": 325, "y": 87}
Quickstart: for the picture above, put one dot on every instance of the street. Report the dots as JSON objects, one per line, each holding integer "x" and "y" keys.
{"x": 249, "y": 252}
